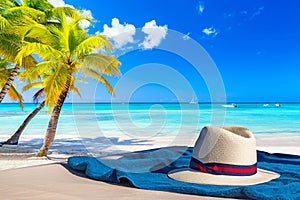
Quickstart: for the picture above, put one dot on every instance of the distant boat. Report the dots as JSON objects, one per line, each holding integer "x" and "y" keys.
{"x": 230, "y": 105}
{"x": 266, "y": 105}
{"x": 193, "y": 101}
{"x": 277, "y": 105}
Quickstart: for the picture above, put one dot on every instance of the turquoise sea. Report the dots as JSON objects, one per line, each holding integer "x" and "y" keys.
{"x": 155, "y": 119}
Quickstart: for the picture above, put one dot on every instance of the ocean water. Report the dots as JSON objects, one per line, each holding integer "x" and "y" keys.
{"x": 151, "y": 120}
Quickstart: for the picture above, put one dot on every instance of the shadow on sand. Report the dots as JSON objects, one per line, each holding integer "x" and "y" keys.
{"x": 100, "y": 146}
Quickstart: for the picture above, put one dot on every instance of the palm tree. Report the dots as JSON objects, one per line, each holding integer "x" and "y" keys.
{"x": 14, "y": 17}
{"x": 14, "y": 21}
{"x": 66, "y": 50}
{"x": 14, "y": 139}
{"x": 5, "y": 70}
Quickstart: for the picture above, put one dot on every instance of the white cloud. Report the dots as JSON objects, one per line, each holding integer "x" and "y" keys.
{"x": 83, "y": 23}
{"x": 155, "y": 34}
{"x": 58, "y": 3}
{"x": 201, "y": 7}
{"x": 121, "y": 34}
{"x": 210, "y": 32}
{"x": 186, "y": 36}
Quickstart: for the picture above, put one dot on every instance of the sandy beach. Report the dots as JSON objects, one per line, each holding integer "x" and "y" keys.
{"x": 80, "y": 80}
{"x": 50, "y": 177}
{"x": 23, "y": 155}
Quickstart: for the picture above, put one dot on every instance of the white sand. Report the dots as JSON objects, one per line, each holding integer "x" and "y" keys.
{"x": 23, "y": 155}
{"x": 50, "y": 182}
{"x": 56, "y": 182}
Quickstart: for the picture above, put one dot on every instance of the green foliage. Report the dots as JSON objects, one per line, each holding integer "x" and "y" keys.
{"x": 66, "y": 49}
{"x": 35, "y": 27}
{"x": 6, "y": 68}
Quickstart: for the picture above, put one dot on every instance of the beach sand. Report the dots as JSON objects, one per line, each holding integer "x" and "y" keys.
{"x": 54, "y": 181}
{"x": 49, "y": 179}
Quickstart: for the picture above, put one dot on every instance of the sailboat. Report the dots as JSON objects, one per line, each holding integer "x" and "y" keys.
{"x": 193, "y": 101}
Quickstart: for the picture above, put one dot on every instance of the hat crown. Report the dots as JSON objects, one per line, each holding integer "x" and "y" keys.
{"x": 224, "y": 156}
{"x": 233, "y": 145}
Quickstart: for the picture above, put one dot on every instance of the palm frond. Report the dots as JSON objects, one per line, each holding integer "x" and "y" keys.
{"x": 32, "y": 85}
{"x": 41, "y": 34}
{"x": 5, "y": 4}
{"x": 75, "y": 90}
{"x": 10, "y": 44}
{"x": 15, "y": 95}
{"x": 105, "y": 64}
{"x": 91, "y": 43}
{"x": 29, "y": 61}
{"x": 99, "y": 77}
{"x": 61, "y": 40}
{"x": 4, "y": 74}
{"x": 57, "y": 11}
{"x": 33, "y": 73}
{"x": 55, "y": 84}
{"x": 39, "y": 94}
{"x": 77, "y": 19}
{"x": 40, "y": 5}
{"x": 44, "y": 51}
{"x": 81, "y": 80}
{"x": 4, "y": 23}
{"x": 22, "y": 11}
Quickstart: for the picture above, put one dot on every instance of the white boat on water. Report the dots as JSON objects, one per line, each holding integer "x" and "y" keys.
{"x": 266, "y": 105}
{"x": 230, "y": 105}
{"x": 193, "y": 101}
{"x": 277, "y": 105}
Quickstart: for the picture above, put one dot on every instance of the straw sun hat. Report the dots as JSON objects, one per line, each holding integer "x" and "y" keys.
{"x": 224, "y": 156}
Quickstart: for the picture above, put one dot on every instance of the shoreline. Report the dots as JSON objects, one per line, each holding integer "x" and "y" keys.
{"x": 23, "y": 155}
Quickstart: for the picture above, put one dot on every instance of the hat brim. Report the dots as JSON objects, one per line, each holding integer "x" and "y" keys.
{"x": 193, "y": 176}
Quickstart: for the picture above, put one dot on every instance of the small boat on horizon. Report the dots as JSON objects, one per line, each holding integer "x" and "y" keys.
{"x": 266, "y": 105}
{"x": 193, "y": 101}
{"x": 277, "y": 104}
{"x": 229, "y": 105}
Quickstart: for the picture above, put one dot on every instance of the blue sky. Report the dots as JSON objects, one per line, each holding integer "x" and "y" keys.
{"x": 255, "y": 45}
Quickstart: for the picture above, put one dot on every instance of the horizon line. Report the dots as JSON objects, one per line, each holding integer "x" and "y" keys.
{"x": 231, "y": 102}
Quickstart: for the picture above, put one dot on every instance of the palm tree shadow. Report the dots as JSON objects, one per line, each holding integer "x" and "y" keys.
{"x": 100, "y": 146}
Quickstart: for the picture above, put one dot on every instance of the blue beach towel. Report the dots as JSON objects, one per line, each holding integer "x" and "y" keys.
{"x": 149, "y": 169}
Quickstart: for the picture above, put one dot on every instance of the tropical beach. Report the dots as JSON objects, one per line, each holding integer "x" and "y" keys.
{"x": 155, "y": 99}
{"x": 96, "y": 129}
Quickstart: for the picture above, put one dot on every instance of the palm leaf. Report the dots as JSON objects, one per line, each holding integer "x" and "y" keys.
{"x": 81, "y": 80}
{"x": 38, "y": 4}
{"x": 39, "y": 33}
{"x": 99, "y": 77}
{"x": 33, "y": 73}
{"x": 10, "y": 43}
{"x": 38, "y": 95}
{"x": 6, "y": 68}
{"x": 44, "y": 51}
{"x": 21, "y": 11}
{"x": 32, "y": 85}
{"x": 4, "y": 23}
{"x": 108, "y": 65}
{"x": 56, "y": 12}
{"x": 15, "y": 95}
{"x": 55, "y": 84}
{"x": 91, "y": 43}
{"x": 28, "y": 62}
{"x": 75, "y": 90}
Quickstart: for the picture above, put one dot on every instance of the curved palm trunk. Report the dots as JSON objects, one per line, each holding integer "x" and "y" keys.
{"x": 14, "y": 139}
{"x": 9, "y": 82}
{"x": 52, "y": 125}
